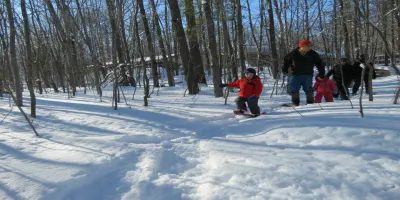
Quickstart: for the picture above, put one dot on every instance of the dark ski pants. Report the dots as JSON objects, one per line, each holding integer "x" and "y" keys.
{"x": 343, "y": 91}
{"x": 357, "y": 84}
{"x": 253, "y": 105}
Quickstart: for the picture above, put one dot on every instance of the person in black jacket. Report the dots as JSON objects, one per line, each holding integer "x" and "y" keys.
{"x": 343, "y": 76}
{"x": 357, "y": 72}
{"x": 301, "y": 61}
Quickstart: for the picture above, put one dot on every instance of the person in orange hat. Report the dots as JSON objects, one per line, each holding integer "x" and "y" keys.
{"x": 301, "y": 60}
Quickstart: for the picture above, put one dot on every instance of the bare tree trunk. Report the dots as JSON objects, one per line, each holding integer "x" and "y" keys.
{"x": 166, "y": 62}
{"x": 122, "y": 41}
{"x": 139, "y": 47}
{"x": 203, "y": 42}
{"x": 227, "y": 40}
{"x": 361, "y": 91}
{"x": 345, "y": 31}
{"x": 320, "y": 10}
{"x": 385, "y": 43}
{"x": 306, "y": 21}
{"x": 115, "y": 43}
{"x": 275, "y": 65}
{"x": 6, "y": 66}
{"x": 87, "y": 39}
{"x": 240, "y": 36}
{"x": 183, "y": 47}
{"x": 283, "y": 31}
{"x": 149, "y": 43}
{"x": 194, "y": 46}
{"x": 29, "y": 58}
{"x": 14, "y": 65}
{"x": 213, "y": 48}
{"x": 258, "y": 45}
{"x": 65, "y": 40}
{"x": 335, "y": 34}
{"x": 370, "y": 89}
{"x": 70, "y": 46}
{"x": 356, "y": 30}
{"x": 396, "y": 96}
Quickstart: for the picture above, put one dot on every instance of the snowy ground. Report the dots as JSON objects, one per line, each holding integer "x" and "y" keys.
{"x": 193, "y": 148}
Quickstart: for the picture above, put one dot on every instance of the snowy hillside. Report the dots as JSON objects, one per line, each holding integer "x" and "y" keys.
{"x": 193, "y": 147}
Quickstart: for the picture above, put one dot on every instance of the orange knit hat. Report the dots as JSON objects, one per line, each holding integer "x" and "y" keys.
{"x": 303, "y": 43}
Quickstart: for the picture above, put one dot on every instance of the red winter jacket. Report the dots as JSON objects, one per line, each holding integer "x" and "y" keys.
{"x": 248, "y": 88}
{"x": 324, "y": 86}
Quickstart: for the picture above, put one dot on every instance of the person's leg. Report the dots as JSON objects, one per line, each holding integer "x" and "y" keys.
{"x": 240, "y": 103}
{"x": 254, "y": 108}
{"x": 295, "y": 85}
{"x": 318, "y": 97}
{"x": 366, "y": 84}
{"x": 346, "y": 90}
{"x": 356, "y": 86}
{"x": 307, "y": 88}
{"x": 342, "y": 91}
{"x": 328, "y": 97}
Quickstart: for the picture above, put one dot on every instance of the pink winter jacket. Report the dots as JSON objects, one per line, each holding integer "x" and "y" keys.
{"x": 324, "y": 86}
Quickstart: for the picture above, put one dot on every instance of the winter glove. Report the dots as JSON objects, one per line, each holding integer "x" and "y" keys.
{"x": 252, "y": 98}
{"x": 223, "y": 85}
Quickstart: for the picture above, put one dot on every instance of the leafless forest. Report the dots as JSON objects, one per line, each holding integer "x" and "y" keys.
{"x": 68, "y": 44}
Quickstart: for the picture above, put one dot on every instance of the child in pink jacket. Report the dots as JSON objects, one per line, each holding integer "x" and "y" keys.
{"x": 324, "y": 88}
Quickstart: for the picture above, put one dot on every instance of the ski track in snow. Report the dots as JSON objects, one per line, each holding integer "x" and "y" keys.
{"x": 186, "y": 149}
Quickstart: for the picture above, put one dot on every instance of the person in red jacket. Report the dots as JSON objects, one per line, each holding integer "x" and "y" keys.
{"x": 250, "y": 90}
{"x": 324, "y": 88}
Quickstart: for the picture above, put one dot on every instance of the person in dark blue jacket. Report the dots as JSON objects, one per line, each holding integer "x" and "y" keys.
{"x": 302, "y": 61}
{"x": 343, "y": 76}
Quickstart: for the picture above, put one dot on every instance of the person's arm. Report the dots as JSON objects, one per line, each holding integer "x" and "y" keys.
{"x": 287, "y": 61}
{"x": 258, "y": 88}
{"x": 235, "y": 84}
{"x": 320, "y": 65}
